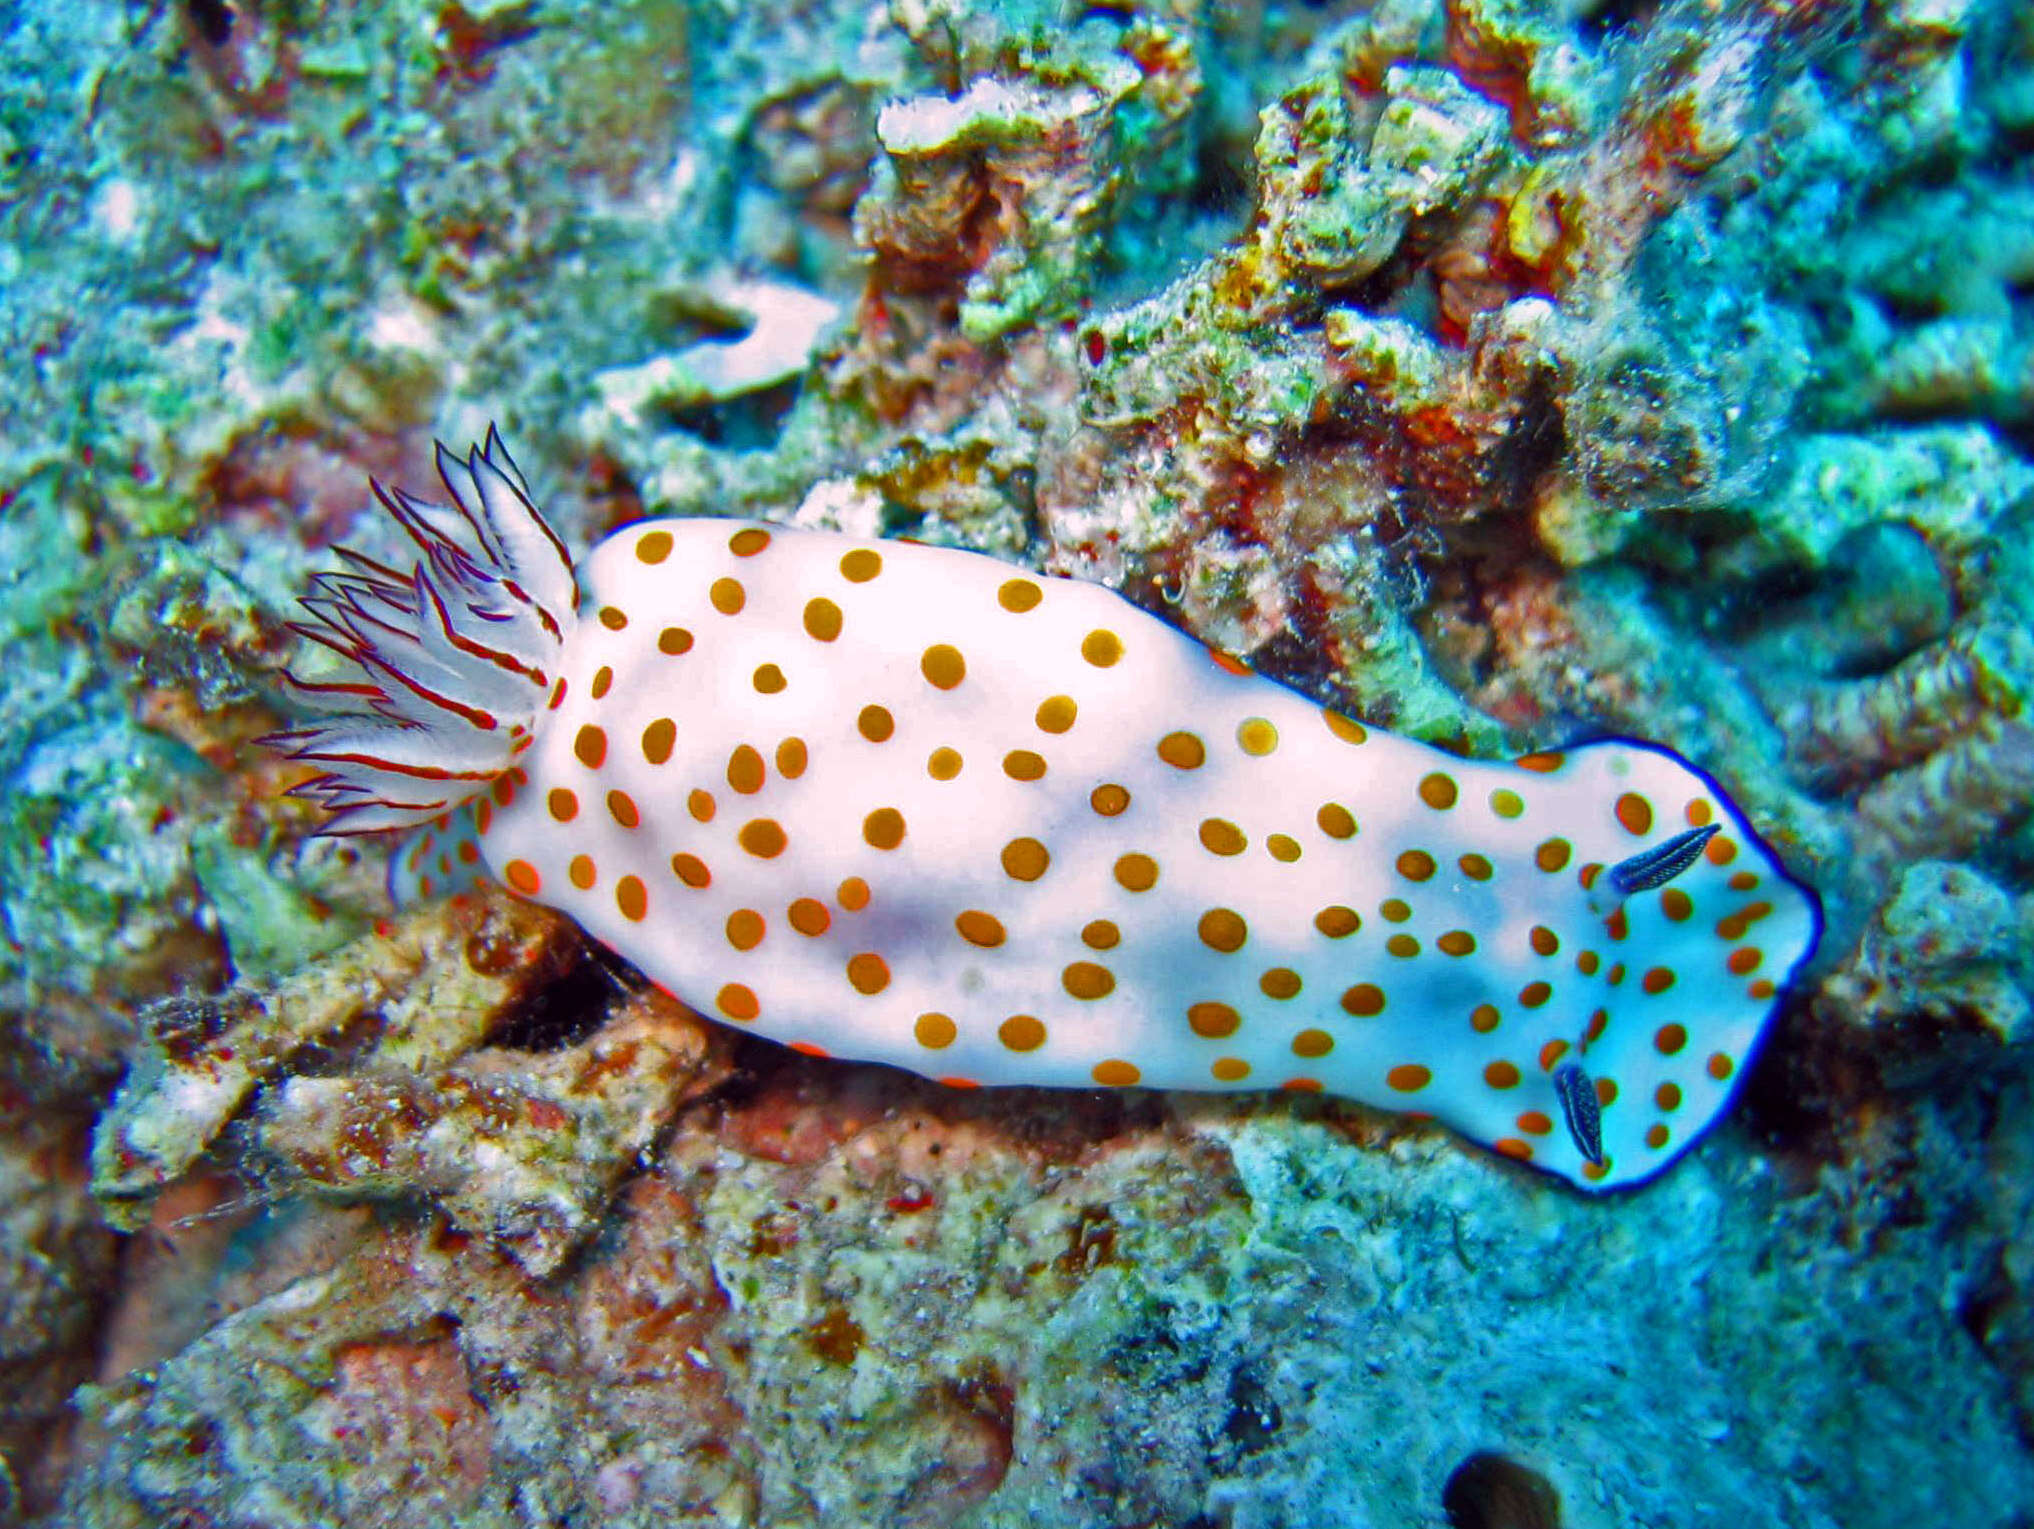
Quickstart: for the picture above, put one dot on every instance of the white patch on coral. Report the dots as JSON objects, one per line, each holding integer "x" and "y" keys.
{"x": 927, "y": 124}
{"x": 840, "y": 504}
{"x": 117, "y": 210}
{"x": 403, "y": 324}
{"x": 785, "y": 324}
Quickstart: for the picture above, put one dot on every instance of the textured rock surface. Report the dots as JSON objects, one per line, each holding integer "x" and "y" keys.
{"x": 1503, "y": 372}
{"x": 851, "y": 1297}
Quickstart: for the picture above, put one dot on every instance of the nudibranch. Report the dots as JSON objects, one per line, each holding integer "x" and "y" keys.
{"x": 905, "y": 803}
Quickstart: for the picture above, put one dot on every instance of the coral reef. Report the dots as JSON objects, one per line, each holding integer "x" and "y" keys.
{"x": 866, "y": 1298}
{"x": 1503, "y": 373}
{"x": 524, "y": 1148}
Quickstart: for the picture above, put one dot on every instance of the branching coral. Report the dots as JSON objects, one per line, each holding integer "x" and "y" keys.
{"x": 523, "y": 1146}
{"x": 1006, "y": 187}
{"x": 1937, "y": 696}
{"x": 1950, "y": 952}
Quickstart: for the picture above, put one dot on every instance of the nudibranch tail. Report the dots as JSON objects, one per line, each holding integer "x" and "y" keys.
{"x": 445, "y": 671}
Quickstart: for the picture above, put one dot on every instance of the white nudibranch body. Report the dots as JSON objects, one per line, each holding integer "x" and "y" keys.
{"x": 909, "y": 804}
